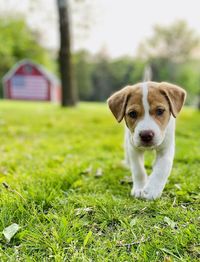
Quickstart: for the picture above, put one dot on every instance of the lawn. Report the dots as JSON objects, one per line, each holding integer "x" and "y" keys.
{"x": 63, "y": 183}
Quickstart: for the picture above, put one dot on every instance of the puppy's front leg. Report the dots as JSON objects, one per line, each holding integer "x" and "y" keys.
{"x": 136, "y": 162}
{"x": 161, "y": 170}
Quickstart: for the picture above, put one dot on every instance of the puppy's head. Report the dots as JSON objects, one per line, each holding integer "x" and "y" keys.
{"x": 147, "y": 108}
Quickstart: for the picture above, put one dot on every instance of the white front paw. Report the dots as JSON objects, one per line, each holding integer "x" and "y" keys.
{"x": 138, "y": 188}
{"x": 136, "y": 192}
{"x": 151, "y": 192}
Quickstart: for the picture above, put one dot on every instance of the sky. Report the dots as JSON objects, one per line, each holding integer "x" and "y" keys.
{"x": 117, "y": 26}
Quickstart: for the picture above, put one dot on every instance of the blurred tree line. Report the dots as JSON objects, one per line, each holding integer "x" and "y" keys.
{"x": 98, "y": 76}
{"x": 172, "y": 52}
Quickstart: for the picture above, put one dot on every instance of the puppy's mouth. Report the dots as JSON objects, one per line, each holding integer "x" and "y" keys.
{"x": 149, "y": 145}
{"x": 145, "y": 145}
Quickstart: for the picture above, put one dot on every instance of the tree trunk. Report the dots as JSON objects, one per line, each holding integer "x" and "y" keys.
{"x": 69, "y": 95}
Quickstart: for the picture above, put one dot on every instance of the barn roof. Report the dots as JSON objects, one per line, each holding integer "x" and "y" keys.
{"x": 41, "y": 68}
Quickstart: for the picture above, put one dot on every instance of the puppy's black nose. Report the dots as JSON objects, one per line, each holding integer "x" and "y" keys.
{"x": 146, "y": 136}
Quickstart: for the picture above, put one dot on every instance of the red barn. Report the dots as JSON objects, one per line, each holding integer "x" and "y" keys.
{"x": 30, "y": 81}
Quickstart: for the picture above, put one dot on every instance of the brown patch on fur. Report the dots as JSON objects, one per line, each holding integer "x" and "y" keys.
{"x": 158, "y": 101}
{"x": 165, "y": 96}
{"x": 117, "y": 103}
{"x": 134, "y": 103}
{"x": 175, "y": 95}
{"x": 126, "y": 100}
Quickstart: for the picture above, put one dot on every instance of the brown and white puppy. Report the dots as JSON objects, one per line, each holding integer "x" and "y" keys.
{"x": 149, "y": 110}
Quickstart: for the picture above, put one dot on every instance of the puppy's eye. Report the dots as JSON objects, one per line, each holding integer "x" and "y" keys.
{"x": 160, "y": 111}
{"x": 133, "y": 114}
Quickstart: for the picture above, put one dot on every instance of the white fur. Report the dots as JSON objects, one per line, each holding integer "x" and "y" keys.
{"x": 150, "y": 187}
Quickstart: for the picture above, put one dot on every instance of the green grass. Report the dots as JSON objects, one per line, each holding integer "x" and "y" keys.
{"x": 49, "y": 160}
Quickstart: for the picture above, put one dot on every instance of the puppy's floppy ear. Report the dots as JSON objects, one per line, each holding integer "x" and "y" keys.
{"x": 175, "y": 96}
{"x": 117, "y": 103}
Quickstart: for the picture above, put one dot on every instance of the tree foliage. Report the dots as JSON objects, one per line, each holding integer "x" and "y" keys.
{"x": 171, "y": 52}
{"x": 82, "y": 63}
{"x": 17, "y": 42}
{"x": 175, "y": 42}
{"x": 98, "y": 76}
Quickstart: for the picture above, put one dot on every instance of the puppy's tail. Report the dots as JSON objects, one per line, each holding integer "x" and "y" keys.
{"x": 147, "y": 73}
